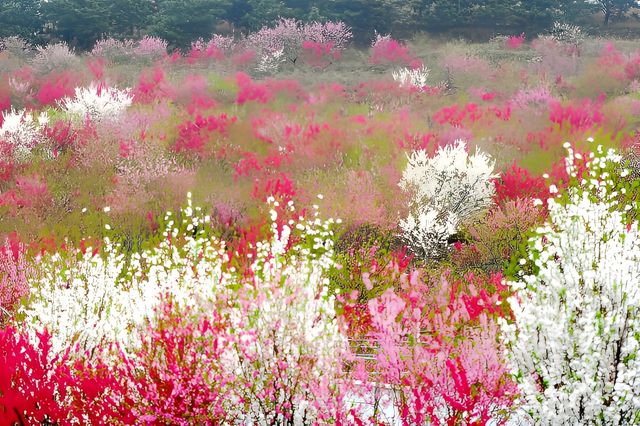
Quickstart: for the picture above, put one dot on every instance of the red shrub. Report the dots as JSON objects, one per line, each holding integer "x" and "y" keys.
{"x": 390, "y": 51}
{"x": 250, "y": 91}
{"x": 55, "y": 88}
{"x": 33, "y": 381}
{"x": 194, "y": 134}
{"x": 518, "y": 183}
{"x": 515, "y": 42}
{"x": 581, "y": 117}
{"x": 319, "y": 55}
{"x": 455, "y": 115}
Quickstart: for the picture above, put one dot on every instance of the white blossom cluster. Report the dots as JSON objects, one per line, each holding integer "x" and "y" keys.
{"x": 291, "y": 316}
{"x": 576, "y": 337}
{"x": 280, "y": 319}
{"x": 565, "y": 33}
{"x": 447, "y": 190}
{"x": 22, "y": 131}
{"x": 91, "y": 299}
{"x": 97, "y": 103}
{"x": 407, "y": 77}
{"x": 269, "y": 62}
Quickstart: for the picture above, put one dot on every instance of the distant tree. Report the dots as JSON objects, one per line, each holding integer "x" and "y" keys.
{"x": 182, "y": 21}
{"x": 365, "y": 16}
{"x": 80, "y": 23}
{"x": 128, "y": 18}
{"x": 615, "y": 8}
{"x": 264, "y": 13}
{"x": 21, "y": 18}
{"x": 530, "y": 16}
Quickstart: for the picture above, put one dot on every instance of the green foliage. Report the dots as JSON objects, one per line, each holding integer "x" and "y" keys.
{"x": 80, "y": 23}
{"x": 615, "y": 9}
{"x": 21, "y": 18}
{"x": 363, "y": 255}
{"x": 496, "y": 239}
{"x": 182, "y": 21}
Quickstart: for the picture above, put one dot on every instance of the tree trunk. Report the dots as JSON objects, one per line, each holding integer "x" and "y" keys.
{"x": 607, "y": 16}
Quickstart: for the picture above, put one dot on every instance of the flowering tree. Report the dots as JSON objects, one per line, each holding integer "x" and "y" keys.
{"x": 435, "y": 344}
{"x": 416, "y": 78}
{"x": 14, "y": 273}
{"x": 447, "y": 189}
{"x": 97, "y": 103}
{"x": 22, "y": 132}
{"x": 573, "y": 346}
{"x": 190, "y": 321}
{"x": 284, "y": 41}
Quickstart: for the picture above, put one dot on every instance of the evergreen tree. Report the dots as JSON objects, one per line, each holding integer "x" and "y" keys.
{"x": 128, "y": 18}
{"x": 21, "y": 18}
{"x": 182, "y": 21}
{"x": 80, "y": 23}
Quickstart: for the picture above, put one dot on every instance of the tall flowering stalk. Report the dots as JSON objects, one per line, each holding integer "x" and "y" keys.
{"x": 15, "y": 270}
{"x": 574, "y": 342}
{"x": 288, "y": 344}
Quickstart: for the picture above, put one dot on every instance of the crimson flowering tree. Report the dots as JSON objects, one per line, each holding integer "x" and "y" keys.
{"x": 519, "y": 183}
{"x": 33, "y": 381}
{"x": 194, "y": 135}
{"x": 175, "y": 376}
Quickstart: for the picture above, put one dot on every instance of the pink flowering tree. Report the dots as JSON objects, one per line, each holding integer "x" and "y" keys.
{"x": 436, "y": 352}
{"x": 14, "y": 273}
{"x": 284, "y": 41}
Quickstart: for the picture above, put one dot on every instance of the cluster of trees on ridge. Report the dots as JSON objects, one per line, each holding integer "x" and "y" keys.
{"x": 81, "y": 22}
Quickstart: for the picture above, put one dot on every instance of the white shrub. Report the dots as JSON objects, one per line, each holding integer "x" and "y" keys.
{"x": 576, "y": 337}
{"x": 97, "y": 103}
{"x": 280, "y": 311}
{"x": 447, "y": 190}
{"x": 407, "y": 77}
{"x": 54, "y": 57}
{"x": 22, "y": 131}
{"x": 565, "y": 33}
{"x": 94, "y": 298}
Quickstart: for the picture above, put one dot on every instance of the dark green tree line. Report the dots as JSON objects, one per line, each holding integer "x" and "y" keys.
{"x": 82, "y": 22}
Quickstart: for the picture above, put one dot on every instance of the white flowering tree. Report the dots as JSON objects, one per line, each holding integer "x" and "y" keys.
{"x": 283, "y": 345}
{"x": 90, "y": 298}
{"x": 22, "y": 131}
{"x": 97, "y": 103}
{"x": 574, "y": 343}
{"x": 447, "y": 190}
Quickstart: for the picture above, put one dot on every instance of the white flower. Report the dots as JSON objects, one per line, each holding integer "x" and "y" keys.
{"x": 269, "y": 62}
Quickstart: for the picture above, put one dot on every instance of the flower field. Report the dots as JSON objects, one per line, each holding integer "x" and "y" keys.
{"x": 287, "y": 229}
